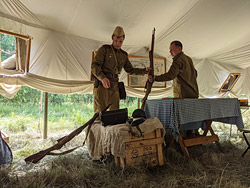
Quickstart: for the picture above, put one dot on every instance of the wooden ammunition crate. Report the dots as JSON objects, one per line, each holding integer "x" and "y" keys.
{"x": 146, "y": 150}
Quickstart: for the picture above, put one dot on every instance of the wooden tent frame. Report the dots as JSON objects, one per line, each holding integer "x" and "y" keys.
{"x": 28, "y": 40}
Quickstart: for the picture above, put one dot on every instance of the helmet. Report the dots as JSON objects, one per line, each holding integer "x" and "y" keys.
{"x": 139, "y": 113}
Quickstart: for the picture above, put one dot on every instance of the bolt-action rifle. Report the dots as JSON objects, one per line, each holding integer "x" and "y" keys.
{"x": 148, "y": 83}
{"x": 62, "y": 141}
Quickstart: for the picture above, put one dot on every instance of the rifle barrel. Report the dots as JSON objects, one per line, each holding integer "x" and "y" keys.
{"x": 151, "y": 58}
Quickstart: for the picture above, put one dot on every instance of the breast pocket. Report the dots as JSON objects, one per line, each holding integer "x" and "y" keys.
{"x": 121, "y": 63}
{"x": 110, "y": 60}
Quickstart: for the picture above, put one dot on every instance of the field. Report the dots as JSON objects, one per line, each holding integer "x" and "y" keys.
{"x": 207, "y": 166}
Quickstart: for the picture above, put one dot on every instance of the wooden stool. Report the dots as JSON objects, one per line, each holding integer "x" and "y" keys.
{"x": 244, "y": 135}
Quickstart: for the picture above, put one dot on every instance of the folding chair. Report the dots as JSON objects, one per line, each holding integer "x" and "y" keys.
{"x": 244, "y": 135}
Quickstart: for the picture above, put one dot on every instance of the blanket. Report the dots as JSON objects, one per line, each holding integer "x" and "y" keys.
{"x": 108, "y": 140}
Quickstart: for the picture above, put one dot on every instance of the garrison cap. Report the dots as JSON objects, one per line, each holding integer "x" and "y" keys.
{"x": 119, "y": 32}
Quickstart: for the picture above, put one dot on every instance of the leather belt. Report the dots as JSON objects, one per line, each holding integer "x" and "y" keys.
{"x": 112, "y": 75}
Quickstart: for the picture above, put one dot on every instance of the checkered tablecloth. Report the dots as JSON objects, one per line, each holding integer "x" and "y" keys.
{"x": 191, "y": 113}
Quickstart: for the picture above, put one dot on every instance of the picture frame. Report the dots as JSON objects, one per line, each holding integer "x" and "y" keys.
{"x": 139, "y": 81}
{"x": 229, "y": 83}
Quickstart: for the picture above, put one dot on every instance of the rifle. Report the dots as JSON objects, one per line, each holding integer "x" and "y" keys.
{"x": 62, "y": 141}
{"x": 149, "y": 84}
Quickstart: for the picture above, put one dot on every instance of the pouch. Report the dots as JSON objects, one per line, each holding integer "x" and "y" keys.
{"x": 122, "y": 90}
{"x": 114, "y": 117}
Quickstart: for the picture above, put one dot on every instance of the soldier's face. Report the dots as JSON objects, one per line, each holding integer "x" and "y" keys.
{"x": 174, "y": 50}
{"x": 117, "y": 42}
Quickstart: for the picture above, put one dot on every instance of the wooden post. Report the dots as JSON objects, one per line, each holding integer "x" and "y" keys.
{"x": 45, "y": 129}
{"x": 40, "y": 111}
{"x": 28, "y": 55}
{"x": 138, "y": 102}
{"x": 15, "y": 34}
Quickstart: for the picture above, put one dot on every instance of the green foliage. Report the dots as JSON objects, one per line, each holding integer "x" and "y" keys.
{"x": 24, "y": 95}
{"x": 130, "y": 103}
{"x": 78, "y": 118}
{"x": 7, "y": 43}
{"x": 64, "y": 111}
{"x": 30, "y": 95}
{"x": 18, "y": 122}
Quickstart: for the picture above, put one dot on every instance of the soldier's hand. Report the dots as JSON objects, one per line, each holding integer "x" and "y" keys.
{"x": 105, "y": 83}
{"x": 150, "y": 78}
{"x": 148, "y": 69}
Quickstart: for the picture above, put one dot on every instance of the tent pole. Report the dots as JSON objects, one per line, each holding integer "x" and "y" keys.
{"x": 45, "y": 129}
{"x": 138, "y": 102}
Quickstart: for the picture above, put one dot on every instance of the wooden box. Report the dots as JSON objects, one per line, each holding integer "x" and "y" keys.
{"x": 146, "y": 150}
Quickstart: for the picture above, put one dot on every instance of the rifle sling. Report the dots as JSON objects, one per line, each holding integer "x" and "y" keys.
{"x": 65, "y": 152}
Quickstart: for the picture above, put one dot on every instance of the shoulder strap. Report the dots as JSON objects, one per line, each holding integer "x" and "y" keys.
{"x": 115, "y": 58}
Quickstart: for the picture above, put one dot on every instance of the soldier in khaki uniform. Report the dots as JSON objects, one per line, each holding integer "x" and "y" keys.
{"x": 184, "y": 76}
{"x": 182, "y": 72}
{"x": 107, "y": 65}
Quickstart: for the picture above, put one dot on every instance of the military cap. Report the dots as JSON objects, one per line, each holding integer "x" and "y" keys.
{"x": 119, "y": 32}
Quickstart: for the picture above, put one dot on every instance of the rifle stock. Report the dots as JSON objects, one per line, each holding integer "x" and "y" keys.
{"x": 62, "y": 141}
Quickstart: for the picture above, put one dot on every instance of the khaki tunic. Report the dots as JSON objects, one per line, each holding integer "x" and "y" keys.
{"x": 108, "y": 63}
{"x": 184, "y": 75}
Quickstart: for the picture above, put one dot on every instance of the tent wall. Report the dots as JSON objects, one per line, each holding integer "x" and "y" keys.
{"x": 64, "y": 34}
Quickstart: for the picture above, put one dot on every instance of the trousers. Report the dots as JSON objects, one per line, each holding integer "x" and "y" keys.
{"x": 105, "y": 96}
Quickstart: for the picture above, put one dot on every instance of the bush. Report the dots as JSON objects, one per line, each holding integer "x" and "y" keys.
{"x": 18, "y": 123}
{"x": 78, "y": 118}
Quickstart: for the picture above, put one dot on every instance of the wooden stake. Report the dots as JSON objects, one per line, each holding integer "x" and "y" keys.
{"x": 45, "y": 129}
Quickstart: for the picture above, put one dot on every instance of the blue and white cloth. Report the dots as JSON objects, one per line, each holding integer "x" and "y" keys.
{"x": 5, "y": 152}
{"x": 191, "y": 113}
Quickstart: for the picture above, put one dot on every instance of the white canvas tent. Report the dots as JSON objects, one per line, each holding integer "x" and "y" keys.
{"x": 215, "y": 33}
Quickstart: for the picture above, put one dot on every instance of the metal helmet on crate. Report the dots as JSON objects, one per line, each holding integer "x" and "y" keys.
{"x": 139, "y": 117}
{"x": 139, "y": 113}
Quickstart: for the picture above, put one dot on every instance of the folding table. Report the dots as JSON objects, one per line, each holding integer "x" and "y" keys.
{"x": 190, "y": 114}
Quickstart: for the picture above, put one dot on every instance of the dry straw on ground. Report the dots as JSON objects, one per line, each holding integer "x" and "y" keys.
{"x": 206, "y": 167}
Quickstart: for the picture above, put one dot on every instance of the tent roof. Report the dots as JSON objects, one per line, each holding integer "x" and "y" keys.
{"x": 216, "y": 34}
{"x": 205, "y": 27}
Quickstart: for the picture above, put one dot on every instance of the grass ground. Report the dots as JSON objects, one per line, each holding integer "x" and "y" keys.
{"x": 207, "y": 166}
